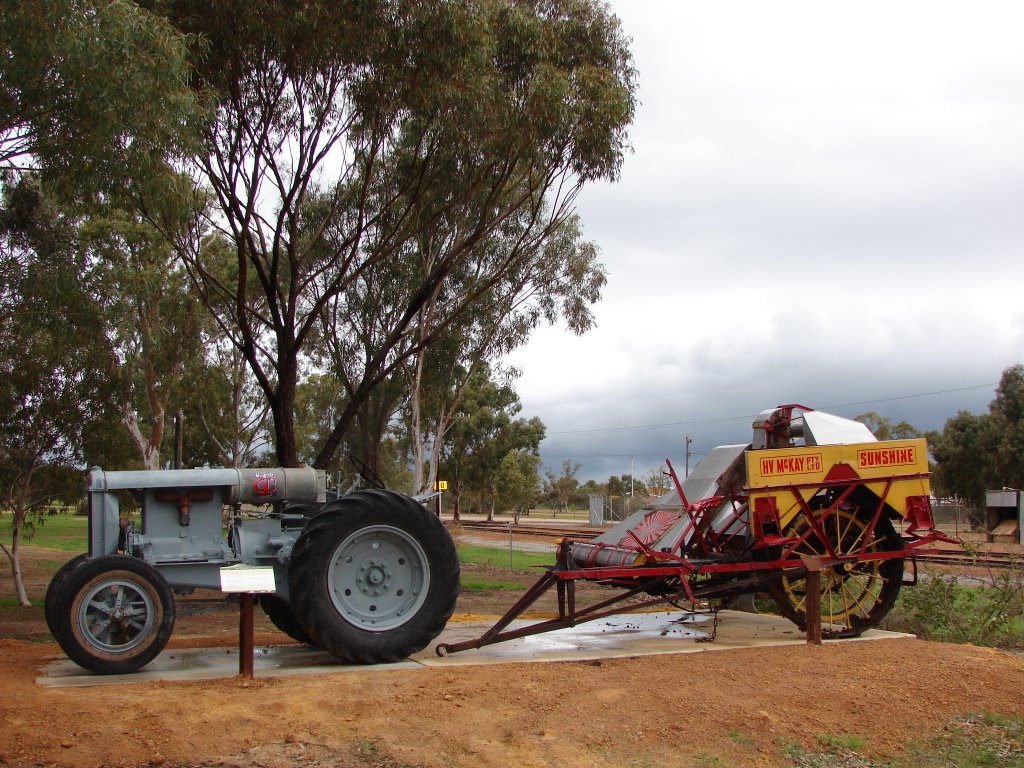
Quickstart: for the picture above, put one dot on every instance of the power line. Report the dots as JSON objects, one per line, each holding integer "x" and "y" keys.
{"x": 721, "y": 419}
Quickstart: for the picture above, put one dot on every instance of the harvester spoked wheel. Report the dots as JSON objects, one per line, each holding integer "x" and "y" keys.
{"x": 855, "y": 595}
{"x": 113, "y": 614}
{"x": 282, "y": 616}
{"x": 374, "y": 577}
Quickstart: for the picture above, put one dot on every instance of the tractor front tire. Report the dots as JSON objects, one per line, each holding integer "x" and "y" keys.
{"x": 50, "y": 608}
{"x": 374, "y": 577}
{"x": 113, "y": 614}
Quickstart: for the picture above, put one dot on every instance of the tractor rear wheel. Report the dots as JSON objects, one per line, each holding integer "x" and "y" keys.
{"x": 113, "y": 614}
{"x": 283, "y": 617}
{"x": 374, "y": 577}
{"x": 855, "y": 595}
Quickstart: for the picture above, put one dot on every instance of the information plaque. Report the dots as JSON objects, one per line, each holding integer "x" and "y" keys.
{"x": 247, "y": 578}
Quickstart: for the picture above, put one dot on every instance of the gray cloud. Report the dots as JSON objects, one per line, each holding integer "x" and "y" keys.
{"x": 822, "y": 206}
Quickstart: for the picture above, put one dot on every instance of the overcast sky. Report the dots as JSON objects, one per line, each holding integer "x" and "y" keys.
{"x": 822, "y": 206}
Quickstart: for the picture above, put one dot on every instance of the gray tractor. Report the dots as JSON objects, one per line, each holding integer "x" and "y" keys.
{"x": 371, "y": 576}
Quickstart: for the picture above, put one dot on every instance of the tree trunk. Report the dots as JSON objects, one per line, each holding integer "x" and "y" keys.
{"x": 149, "y": 447}
{"x": 283, "y": 409}
{"x": 416, "y": 426}
{"x": 13, "y": 555}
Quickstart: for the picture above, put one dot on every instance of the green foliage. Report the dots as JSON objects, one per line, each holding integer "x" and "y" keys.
{"x": 742, "y": 739}
{"x": 981, "y": 740}
{"x": 963, "y": 466}
{"x": 153, "y": 325}
{"x": 977, "y": 452}
{"x": 562, "y": 488}
{"x": 883, "y": 428}
{"x": 517, "y": 482}
{"x": 482, "y": 436}
{"x": 842, "y": 742}
{"x": 456, "y": 136}
{"x": 92, "y": 94}
{"x": 947, "y": 607}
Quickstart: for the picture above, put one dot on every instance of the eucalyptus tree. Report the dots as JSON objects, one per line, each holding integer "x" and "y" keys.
{"x": 562, "y": 488}
{"x": 976, "y": 452}
{"x": 484, "y": 433}
{"x": 517, "y": 482}
{"x": 387, "y": 117}
{"x": 527, "y": 274}
{"x": 153, "y": 323}
{"x": 52, "y": 370}
{"x": 91, "y": 93}
{"x": 225, "y": 414}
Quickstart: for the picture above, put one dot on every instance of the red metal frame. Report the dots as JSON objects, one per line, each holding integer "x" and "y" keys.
{"x": 724, "y": 573}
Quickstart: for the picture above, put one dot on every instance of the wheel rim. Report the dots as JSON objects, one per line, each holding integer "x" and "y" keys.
{"x": 378, "y": 578}
{"x": 853, "y": 595}
{"x": 116, "y": 616}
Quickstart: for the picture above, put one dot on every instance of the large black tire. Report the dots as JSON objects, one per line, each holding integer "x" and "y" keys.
{"x": 113, "y": 614}
{"x": 283, "y": 617}
{"x": 50, "y": 609}
{"x": 854, "y": 596}
{"x": 374, "y": 577}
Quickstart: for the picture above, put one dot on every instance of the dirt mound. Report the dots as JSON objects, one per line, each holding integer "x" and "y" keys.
{"x": 742, "y": 707}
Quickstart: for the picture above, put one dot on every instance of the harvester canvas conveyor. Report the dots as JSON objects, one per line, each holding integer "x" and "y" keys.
{"x": 812, "y": 490}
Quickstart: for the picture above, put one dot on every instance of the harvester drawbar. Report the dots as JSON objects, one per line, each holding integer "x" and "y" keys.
{"x": 812, "y": 491}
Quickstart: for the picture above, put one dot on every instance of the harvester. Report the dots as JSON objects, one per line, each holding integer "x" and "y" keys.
{"x": 370, "y": 576}
{"x": 813, "y": 499}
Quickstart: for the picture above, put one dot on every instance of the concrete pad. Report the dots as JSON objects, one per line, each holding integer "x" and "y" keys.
{"x": 624, "y": 635}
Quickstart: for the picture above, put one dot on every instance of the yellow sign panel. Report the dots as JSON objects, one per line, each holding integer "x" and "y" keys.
{"x": 893, "y": 469}
{"x": 441, "y": 485}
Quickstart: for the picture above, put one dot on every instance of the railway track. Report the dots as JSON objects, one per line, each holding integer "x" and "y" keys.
{"x": 548, "y": 531}
{"x": 980, "y": 559}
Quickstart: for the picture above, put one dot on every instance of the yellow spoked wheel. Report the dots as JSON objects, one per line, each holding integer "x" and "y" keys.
{"x": 855, "y": 595}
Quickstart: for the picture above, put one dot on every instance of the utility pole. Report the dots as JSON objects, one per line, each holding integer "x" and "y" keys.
{"x": 689, "y": 453}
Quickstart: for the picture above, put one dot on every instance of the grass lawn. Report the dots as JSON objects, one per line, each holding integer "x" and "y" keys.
{"x": 62, "y": 531}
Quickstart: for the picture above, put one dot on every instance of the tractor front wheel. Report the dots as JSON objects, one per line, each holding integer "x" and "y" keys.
{"x": 113, "y": 614}
{"x": 50, "y": 608}
{"x": 374, "y": 577}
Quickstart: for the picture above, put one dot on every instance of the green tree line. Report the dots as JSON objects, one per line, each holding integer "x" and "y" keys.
{"x": 314, "y": 231}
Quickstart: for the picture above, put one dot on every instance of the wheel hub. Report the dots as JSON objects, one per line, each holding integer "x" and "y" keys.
{"x": 378, "y": 577}
{"x": 116, "y": 616}
{"x": 373, "y": 578}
